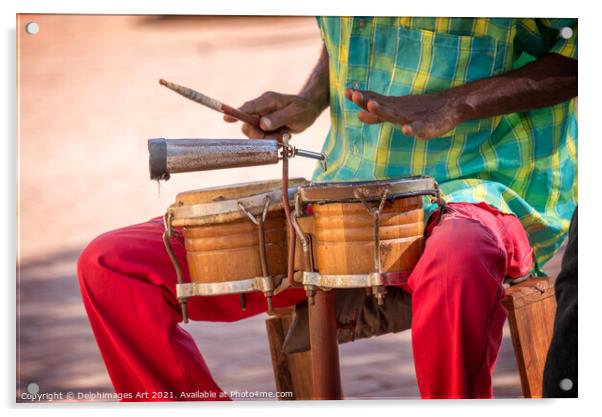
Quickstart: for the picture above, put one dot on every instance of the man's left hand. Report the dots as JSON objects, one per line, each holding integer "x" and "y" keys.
{"x": 424, "y": 116}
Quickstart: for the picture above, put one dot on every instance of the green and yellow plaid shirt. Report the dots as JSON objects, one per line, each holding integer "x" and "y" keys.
{"x": 521, "y": 163}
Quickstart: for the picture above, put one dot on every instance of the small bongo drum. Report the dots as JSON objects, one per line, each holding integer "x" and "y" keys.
{"x": 364, "y": 234}
{"x": 235, "y": 239}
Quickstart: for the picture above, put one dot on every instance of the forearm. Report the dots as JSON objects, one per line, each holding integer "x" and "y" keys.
{"x": 545, "y": 82}
{"x": 316, "y": 89}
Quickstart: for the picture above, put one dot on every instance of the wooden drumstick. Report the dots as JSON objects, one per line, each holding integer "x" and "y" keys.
{"x": 212, "y": 103}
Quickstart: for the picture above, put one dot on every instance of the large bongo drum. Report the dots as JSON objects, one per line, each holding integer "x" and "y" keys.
{"x": 235, "y": 239}
{"x": 363, "y": 234}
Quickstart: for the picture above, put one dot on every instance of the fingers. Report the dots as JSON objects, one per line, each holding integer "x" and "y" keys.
{"x": 348, "y": 93}
{"x": 407, "y": 130}
{"x": 361, "y": 97}
{"x": 278, "y": 119}
{"x": 356, "y": 96}
{"x": 269, "y": 102}
{"x": 368, "y": 118}
{"x": 370, "y": 102}
{"x": 252, "y": 132}
{"x": 425, "y": 130}
{"x": 382, "y": 111}
{"x": 265, "y": 104}
{"x": 376, "y": 113}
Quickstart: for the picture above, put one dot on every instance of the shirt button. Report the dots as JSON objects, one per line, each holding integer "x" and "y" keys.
{"x": 362, "y": 23}
{"x": 355, "y": 150}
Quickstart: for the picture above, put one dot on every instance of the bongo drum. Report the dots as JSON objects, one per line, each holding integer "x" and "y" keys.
{"x": 235, "y": 239}
{"x": 364, "y": 234}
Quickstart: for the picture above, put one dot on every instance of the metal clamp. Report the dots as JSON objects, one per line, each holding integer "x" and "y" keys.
{"x": 379, "y": 290}
{"x": 306, "y": 246}
{"x": 259, "y": 222}
{"x": 289, "y": 151}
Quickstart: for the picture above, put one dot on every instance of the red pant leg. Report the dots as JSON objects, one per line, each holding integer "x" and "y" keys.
{"x": 128, "y": 288}
{"x": 457, "y": 315}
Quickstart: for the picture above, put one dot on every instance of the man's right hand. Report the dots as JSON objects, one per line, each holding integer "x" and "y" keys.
{"x": 278, "y": 113}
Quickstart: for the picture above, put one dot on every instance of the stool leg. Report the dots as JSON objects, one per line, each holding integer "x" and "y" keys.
{"x": 324, "y": 347}
{"x": 531, "y": 309}
{"x": 292, "y": 372}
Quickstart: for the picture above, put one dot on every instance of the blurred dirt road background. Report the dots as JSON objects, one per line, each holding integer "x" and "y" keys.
{"x": 89, "y": 99}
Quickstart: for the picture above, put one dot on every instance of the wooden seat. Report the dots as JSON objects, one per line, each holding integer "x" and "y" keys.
{"x": 531, "y": 307}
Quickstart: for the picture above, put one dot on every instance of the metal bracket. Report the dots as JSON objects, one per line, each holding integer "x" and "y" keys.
{"x": 373, "y": 279}
{"x": 289, "y": 151}
{"x": 166, "y": 236}
{"x": 259, "y": 222}
{"x": 272, "y": 285}
{"x": 378, "y": 290}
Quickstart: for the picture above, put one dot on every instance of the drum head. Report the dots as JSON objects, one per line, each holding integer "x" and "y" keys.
{"x": 221, "y": 204}
{"x": 234, "y": 191}
{"x": 337, "y": 192}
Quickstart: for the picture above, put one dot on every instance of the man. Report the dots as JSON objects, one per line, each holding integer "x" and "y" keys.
{"x": 407, "y": 96}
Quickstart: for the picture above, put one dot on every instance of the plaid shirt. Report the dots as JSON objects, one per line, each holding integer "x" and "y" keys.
{"x": 521, "y": 163}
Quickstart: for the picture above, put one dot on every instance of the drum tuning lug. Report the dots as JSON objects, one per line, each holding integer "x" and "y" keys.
{"x": 243, "y": 302}
{"x": 379, "y": 293}
{"x": 270, "y": 305}
{"x": 368, "y": 291}
{"x": 311, "y": 293}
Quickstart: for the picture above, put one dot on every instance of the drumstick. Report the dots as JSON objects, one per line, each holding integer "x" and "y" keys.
{"x": 212, "y": 103}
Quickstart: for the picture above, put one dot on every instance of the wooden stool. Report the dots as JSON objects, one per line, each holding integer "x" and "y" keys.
{"x": 531, "y": 307}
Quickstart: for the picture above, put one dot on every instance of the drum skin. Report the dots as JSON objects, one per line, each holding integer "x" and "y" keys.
{"x": 230, "y": 251}
{"x": 344, "y": 237}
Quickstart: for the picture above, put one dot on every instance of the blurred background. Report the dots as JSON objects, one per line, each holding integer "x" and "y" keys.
{"x": 88, "y": 100}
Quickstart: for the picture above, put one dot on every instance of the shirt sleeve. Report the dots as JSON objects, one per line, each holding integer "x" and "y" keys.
{"x": 539, "y": 37}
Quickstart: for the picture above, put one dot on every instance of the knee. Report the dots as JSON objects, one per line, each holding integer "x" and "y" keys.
{"x": 463, "y": 248}
{"x": 92, "y": 261}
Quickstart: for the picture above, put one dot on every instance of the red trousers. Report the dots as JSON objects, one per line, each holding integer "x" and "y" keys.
{"x": 128, "y": 288}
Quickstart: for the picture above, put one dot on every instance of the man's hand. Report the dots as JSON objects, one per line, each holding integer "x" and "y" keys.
{"x": 424, "y": 116}
{"x": 545, "y": 82}
{"x": 286, "y": 112}
{"x": 278, "y": 112}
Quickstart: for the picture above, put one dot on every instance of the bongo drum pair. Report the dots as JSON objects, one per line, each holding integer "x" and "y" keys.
{"x": 351, "y": 235}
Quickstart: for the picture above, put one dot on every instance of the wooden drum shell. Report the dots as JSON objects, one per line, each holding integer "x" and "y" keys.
{"x": 344, "y": 237}
{"x": 230, "y": 251}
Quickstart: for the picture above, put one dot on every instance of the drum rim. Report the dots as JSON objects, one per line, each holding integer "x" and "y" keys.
{"x": 228, "y": 210}
{"x": 337, "y": 192}
{"x": 275, "y": 184}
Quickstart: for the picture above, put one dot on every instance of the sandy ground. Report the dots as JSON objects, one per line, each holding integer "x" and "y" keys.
{"x": 88, "y": 101}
